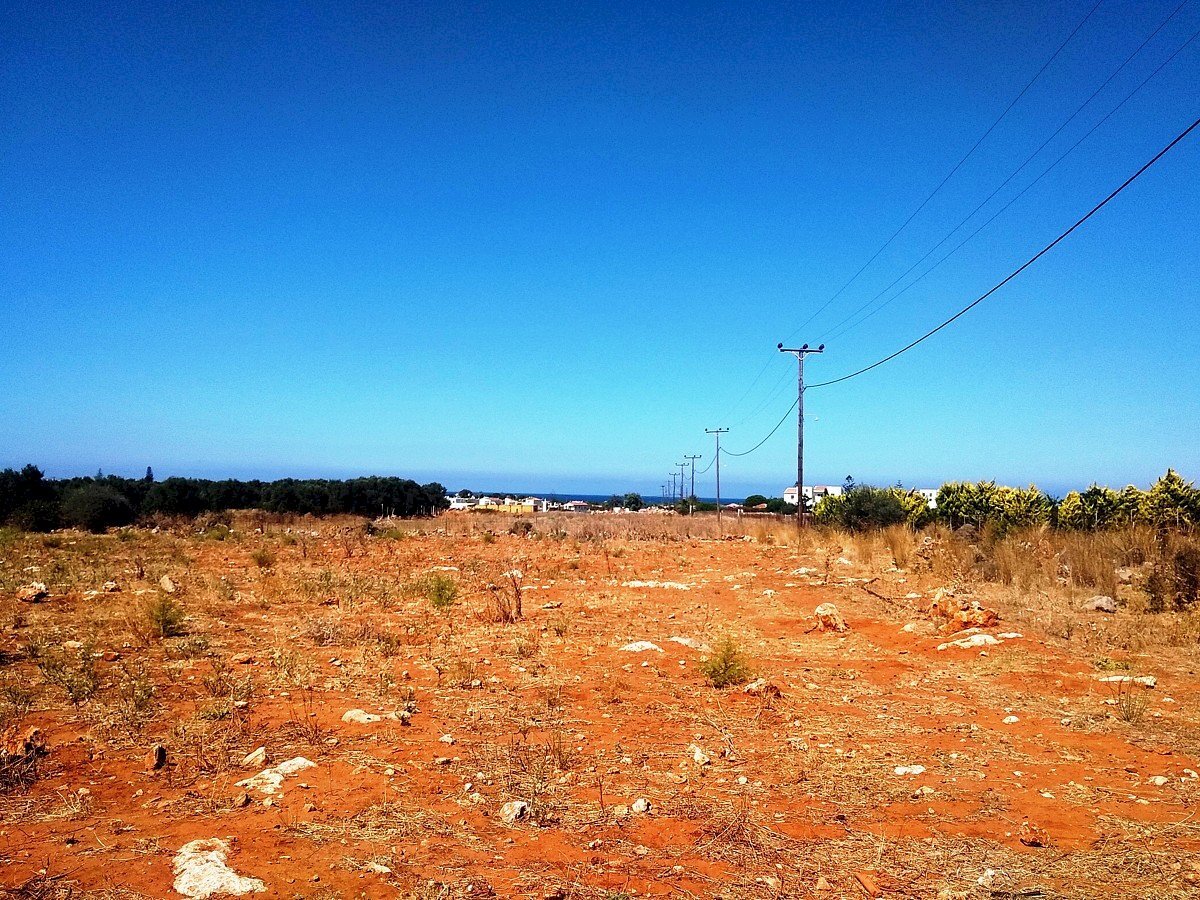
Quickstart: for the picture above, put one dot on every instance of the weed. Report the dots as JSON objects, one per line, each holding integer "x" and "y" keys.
{"x": 727, "y": 665}
{"x": 263, "y": 558}
{"x": 1130, "y": 700}
{"x": 73, "y": 671}
{"x": 164, "y": 616}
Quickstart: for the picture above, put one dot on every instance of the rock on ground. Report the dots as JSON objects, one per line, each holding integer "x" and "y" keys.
{"x": 1101, "y": 603}
{"x": 268, "y": 781}
{"x": 829, "y": 619}
{"x": 200, "y": 871}
{"x": 513, "y": 811}
{"x": 692, "y": 643}
{"x": 967, "y": 643}
{"x": 641, "y": 647}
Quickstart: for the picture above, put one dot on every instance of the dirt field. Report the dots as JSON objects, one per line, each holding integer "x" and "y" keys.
{"x": 869, "y": 762}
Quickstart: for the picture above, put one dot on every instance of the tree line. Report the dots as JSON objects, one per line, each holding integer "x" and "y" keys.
{"x": 33, "y": 502}
{"x": 1171, "y": 502}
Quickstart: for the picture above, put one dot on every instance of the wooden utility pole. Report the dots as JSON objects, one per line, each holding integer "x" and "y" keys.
{"x": 718, "y": 432}
{"x": 801, "y": 352}
{"x": 692, "y": 494}
{"x": 682, "y": 466}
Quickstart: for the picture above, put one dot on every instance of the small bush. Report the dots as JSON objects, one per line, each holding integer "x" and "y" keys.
{"x": 164, "y": 616}
{"x": 727, "y": 666}
{"x": 96, "y": 507}
{"x": 72, "y": 671}
{"x": 263, "y": 558}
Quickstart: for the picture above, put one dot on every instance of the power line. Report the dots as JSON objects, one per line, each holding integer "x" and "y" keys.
{"x": 951, "y": 173}
{"x": 834, "y": 332}
{"x": 769, "y": 435}
{"x": 1095, "y": 209}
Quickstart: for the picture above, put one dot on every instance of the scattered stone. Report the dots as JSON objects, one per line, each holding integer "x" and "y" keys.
{"x": 918, "y": 628}
{"x": 699, "y": 757}
{"x": 960, "y": 613}
{"x": 909, "y": 770}
{"x": 760, "y": 687}
{"x": 255, "y": 759}
{"x": 969, "y": 642}
{"x": 842, "y": 561}
{"x": 641, "y": 647}
{"x": 34, "y": 592}
{"x": 447, "y": 739}
{"x": 201, "y": 871}
{"x": 1011, "y": 720}
{"x": 1158, "y": 780}
{"x": 823, "y": 884}
{"x": 241, "y": 800}
{"x": 670, "y": 585}
{"x": 111, "y": 587}
{"x": 1101, "y": 603}
{"x": 167, "y": 584}
{"x": 269, "y": 781}
{"x": 514, "y": 811}
{"x": 360, "y": 717}
{"x": 641, "y": 806}
{"x": 692, "y": 643}
{"x": 552, "y": 604}
{"x": 1031, "y": 835}
{"x": 157, "y": 757}
{"x": 829, "y": 619}
{"x": 1146, "y": 681}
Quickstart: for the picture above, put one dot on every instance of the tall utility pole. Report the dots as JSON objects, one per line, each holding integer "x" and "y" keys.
{"x": 718, "y": 432}
{"x": 801, "y": 352}
{"x": 672, "y": 488}
{"x": 682, "y": 466}
{"x": 692, "y": 493}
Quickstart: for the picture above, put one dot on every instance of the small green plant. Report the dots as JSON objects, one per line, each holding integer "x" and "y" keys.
{"x": 74, "y": 671}
{"x": 440, "y": 590}
{"x": 15, "y": 703}
{"x": 263, "y": 558}
{"x": 1130, "y": 700}
{"x": 727, "y": 665}
{"x": 164, "y": 616}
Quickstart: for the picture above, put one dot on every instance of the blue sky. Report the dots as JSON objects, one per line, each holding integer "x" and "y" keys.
{"x": 546, "y": 246}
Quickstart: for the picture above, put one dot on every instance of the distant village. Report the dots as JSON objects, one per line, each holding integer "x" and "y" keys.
{"x": 465, "y": 500}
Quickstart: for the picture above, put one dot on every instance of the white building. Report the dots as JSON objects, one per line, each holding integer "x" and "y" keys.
{"x": 462, "y": 502}
{"x": 812, "y": 493}
{"x": 930, "y": 495}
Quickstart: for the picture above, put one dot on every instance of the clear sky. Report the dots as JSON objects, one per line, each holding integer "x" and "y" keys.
{"x": 546, "y": 246}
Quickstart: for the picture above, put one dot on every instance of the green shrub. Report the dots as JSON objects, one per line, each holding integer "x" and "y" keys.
{"x": 440, "y": 590}
{"x": 263, "y": 558}
{"x": 164, "y": 616}
{"x": 727, "y": 665}
{"x": 95, "y": 507}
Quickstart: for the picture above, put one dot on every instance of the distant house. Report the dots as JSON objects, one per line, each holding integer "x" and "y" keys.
{"x": 930, "y": 495}
{"x": 812, "y": 493}
{"x": 577, "y": 506}
{"x": 462, "y": 502}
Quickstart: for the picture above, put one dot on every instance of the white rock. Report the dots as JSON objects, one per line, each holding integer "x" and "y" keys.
{"x": 268, "y": 781}
{"x": 1158, "y": 780}
{"x": 641, "y": 647}
{"x": 447, "y": 739}
{"x": 699, "y": 757}
{"x": 669, "y": 585}
{"x": 909, "y": 770}
{"x": 255, "y": 759}
{"x": 966, "y": 643}
{"x": 691, "y": 642}
{"x": 200, "y": 871}
{"x": 359, "y": 717}
{"x": 513, "y": 811}
{"x": 641, "y": 805}
{"x": 1146, "y": 681}
{"x": 167, "y": 584}
{"x": 1100, "y": 603}
{"x": 1011, "y": 720}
